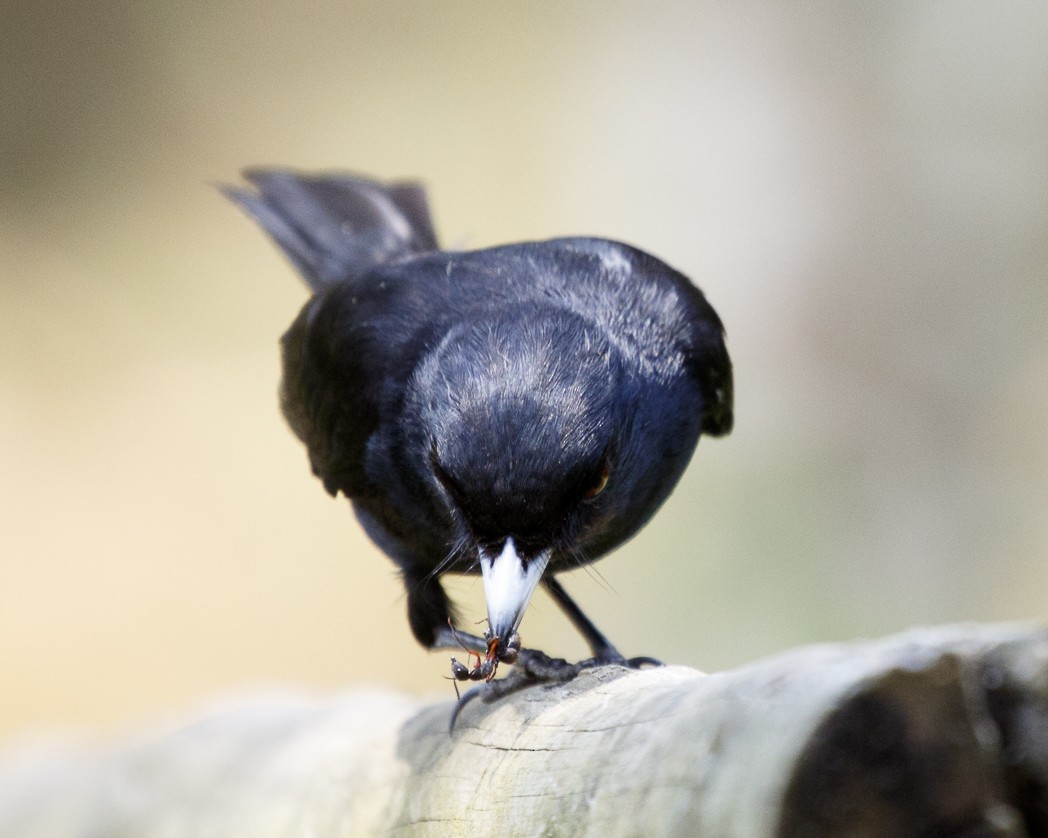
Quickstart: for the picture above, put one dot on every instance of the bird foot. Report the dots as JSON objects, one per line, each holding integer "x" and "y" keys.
{"x": 533, "y": 668}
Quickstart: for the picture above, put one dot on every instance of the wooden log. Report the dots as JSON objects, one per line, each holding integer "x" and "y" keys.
{"x": 935, "y": 732}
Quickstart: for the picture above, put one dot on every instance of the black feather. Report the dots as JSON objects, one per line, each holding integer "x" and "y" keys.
{"x": 550, "y": 392}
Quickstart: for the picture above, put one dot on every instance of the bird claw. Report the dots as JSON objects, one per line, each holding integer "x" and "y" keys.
{"x": 533, "y": 668}
{"x": 642, "y": 661}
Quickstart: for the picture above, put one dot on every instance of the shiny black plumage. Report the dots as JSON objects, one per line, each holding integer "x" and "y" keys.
{"x": 549, "y": 392}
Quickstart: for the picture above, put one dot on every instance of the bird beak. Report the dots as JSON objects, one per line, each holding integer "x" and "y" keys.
{"x": 509, "y": 582}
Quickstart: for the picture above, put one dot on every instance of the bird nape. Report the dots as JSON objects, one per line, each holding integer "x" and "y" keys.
{"x": 515, "y": 411}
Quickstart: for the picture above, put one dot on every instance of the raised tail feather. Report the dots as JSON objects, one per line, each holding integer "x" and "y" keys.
{"x": 335, "y": 227}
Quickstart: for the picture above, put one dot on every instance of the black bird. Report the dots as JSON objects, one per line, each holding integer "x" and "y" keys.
{"x": 516, "y": 411}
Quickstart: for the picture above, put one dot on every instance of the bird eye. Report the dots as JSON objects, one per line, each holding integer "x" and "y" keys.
{"x": 598, "y": 485}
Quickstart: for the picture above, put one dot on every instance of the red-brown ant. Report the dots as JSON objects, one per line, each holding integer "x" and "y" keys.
{"x": 486, "y": 666}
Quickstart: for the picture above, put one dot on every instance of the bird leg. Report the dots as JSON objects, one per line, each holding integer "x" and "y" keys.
{"x": 449, "y": 637}
{"x": 430, "y": 616}
{"x": 603, "y": 650}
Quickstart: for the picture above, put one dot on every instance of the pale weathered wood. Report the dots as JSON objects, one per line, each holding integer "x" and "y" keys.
{"x": 934, "y": 732}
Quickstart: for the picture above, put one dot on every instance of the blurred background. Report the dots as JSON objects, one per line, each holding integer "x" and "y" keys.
{"x": 860, "y": 189}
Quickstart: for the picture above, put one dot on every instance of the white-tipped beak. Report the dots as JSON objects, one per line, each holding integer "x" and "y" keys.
{"x": 508, "y": 586}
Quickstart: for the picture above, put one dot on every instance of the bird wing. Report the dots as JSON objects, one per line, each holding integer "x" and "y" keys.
{"x": 347, "y": 358}
{"x": 706, "y": 358}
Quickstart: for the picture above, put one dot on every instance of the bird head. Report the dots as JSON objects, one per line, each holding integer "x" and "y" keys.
{"x": 526, "y": 418}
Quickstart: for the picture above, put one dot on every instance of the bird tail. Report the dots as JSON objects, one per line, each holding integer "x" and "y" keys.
{"x": 334, "y": 227}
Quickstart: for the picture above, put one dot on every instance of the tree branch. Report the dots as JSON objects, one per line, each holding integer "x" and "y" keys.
{"x": 933, "y": 732}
